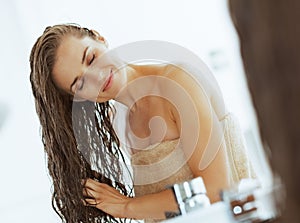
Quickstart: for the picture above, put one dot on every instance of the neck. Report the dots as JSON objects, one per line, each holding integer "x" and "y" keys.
{"x": 137, "y": 85}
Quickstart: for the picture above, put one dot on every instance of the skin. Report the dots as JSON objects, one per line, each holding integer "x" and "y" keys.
{"x": 69, "y": 66}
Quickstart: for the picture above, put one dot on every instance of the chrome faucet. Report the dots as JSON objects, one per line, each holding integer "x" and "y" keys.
{"x": 191, "y": 195}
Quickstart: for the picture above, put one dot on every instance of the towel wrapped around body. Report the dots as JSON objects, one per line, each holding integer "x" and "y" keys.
{"x": 153, "y": 165}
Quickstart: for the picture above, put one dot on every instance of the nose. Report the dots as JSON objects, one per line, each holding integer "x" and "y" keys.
{"x": 96, "y": 71}
{"x": 94, "y": 74}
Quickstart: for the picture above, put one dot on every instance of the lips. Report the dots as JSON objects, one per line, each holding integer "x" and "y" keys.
{"x": 108, "y": 81}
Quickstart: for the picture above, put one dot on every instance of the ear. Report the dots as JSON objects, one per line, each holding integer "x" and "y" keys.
{"x": 99, "y": 37}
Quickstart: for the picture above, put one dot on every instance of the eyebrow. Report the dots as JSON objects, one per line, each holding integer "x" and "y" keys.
{"x": 82, "y": 61}
{"x": 84, "y": 54}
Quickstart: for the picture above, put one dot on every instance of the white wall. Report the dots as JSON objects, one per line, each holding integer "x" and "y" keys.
{"x": 202, "y": 26}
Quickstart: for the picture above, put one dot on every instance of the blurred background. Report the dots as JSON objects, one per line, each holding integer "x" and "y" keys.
{"x": 202, "y": 26}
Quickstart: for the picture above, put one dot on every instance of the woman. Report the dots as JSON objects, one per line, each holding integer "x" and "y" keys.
{"x": 70, "y": 63}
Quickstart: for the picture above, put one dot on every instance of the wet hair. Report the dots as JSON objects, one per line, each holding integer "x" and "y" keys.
{"x": 78, "y": 138}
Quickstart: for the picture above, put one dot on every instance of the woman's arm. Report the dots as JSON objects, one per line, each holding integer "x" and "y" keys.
{"x": 201, "y": 133}
{"x": 153, "y": 206}
{"x": 111, "y": 201}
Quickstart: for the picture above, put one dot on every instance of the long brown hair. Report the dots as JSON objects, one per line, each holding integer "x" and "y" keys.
{"x": 79, "y": 141}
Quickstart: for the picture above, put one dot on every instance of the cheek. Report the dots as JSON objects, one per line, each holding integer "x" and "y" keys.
{"x": 91, "y": 93}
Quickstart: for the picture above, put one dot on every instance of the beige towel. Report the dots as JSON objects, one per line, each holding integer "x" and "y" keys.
{"x": 238, "y": 161}
{"x": 154, "y": 154}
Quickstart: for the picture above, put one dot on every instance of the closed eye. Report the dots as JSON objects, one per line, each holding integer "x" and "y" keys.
{"x": 92, "y": 59}
{"x": 79, "y": 84}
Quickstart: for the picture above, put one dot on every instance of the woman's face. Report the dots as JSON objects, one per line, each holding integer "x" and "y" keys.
{"x": 84, "y": 69}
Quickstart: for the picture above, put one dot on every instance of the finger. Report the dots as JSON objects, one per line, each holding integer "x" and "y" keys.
{"x": 84, "y": 202}
{"x": 97, "y": 186}
{"x": 91, "y": 184}
{"x": 83, "y": 181}
{"x": 90, "y": 181}
{"x": 96, "y": 189}
{"x": 93, "y": 194}
{"x": 87, "y": 192}
{"x": 91, "y": 202}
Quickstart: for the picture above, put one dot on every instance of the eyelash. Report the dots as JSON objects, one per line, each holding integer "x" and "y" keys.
{"x": 82, "y": 79}
{"x": 91, "y": 61}
{"x": 82, "y": 83}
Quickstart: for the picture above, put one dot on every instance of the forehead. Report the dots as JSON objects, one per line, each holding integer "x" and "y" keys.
{"x": 68, "y": 60}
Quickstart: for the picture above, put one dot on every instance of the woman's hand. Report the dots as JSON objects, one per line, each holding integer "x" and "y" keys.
{"x": 105, "y": 198}
{"x": 111, "y": 201}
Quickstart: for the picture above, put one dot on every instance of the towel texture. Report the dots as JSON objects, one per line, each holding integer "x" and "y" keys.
{"x": 152, "y": 166}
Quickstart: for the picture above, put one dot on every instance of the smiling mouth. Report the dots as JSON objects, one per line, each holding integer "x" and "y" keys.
{"x": 108, "y": 81}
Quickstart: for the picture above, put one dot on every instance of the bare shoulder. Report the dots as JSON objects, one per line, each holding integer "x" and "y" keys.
{"x": 198, "y": 84}
{"x": 187, "y": 79}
